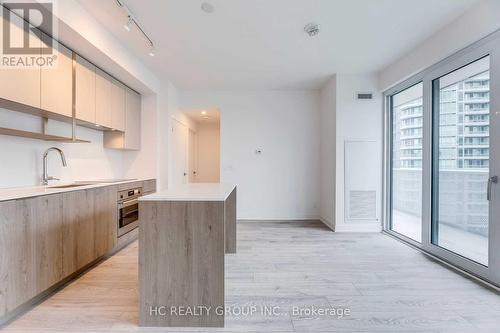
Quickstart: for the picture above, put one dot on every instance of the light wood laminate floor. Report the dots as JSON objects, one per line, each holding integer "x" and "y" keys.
{"x": 388, "y": 287}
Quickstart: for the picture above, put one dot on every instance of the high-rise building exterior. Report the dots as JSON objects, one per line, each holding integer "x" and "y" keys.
{"x": 463, "y": 154}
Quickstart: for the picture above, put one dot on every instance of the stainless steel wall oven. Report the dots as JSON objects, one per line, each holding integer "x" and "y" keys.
{"x": 128, "y": 210}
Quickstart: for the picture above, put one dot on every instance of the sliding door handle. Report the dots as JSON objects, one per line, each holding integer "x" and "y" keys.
{"x": 491, "y": 180}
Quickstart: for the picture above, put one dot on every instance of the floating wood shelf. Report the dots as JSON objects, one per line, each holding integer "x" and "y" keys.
{"x": 39, "y": 136}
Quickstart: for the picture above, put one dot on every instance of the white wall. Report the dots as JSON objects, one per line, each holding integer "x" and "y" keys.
{"x": 327, "y": 102}
{"x": 357, "y": 121}
{"x": 208, "y": 153}
{"x": 282, "y": 182}
{"x": 21, "y": 158}
{"x": 481, "y": 20}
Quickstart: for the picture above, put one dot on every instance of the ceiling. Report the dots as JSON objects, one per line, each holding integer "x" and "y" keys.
{"x": 261, "y": 44}
{"x": 203, "y": 116}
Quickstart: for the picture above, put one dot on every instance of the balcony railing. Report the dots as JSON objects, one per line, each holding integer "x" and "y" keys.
{"x": 462, "y": 189}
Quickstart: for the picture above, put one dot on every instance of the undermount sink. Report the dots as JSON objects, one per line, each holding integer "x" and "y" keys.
{"x": 70, "y": 185}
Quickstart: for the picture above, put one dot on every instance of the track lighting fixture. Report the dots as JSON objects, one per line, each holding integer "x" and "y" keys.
{"x": 129, "y": 24}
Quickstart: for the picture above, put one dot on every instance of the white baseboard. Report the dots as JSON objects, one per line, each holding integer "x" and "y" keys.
{"x": 285, "y": 219}
{"x": 358, "y": 227}
{"x": 329, "y": 224}
{"x": 344, "y": 227}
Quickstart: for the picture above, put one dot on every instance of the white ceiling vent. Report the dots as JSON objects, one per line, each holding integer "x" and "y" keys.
{"x": 364, "y": 96}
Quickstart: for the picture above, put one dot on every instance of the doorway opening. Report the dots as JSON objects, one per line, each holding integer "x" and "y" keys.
{"x": 196, "y": 146}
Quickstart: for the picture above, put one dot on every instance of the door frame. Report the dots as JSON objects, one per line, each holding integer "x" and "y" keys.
{"x": 489, "y": 45}
{"x": 172, "y": 176}
{"x": 192, "y": 164}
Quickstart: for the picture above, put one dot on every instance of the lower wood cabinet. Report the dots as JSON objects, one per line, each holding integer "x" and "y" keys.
{"x": 17, "y": 254}
{"x": 47, "y": 238}
{"x": 46, "y": 216}
{"x": 149, "y": 186}
{"x": 30, "y": 248}
{"x": 78, "y": 230}
{"x": 105, "y": 230}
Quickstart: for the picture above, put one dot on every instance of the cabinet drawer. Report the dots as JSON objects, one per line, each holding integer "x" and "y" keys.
{"x": 130, "y": 185}
{"x": 149, "y": 186}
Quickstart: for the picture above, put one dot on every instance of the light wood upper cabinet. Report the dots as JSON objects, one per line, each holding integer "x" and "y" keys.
{"x": 131, "y": 138}
{"x": 118, "y": 105}
{"x": 57, "y": 81}
{"x": 103, "y": 92}
{"x": 85, "y": 89}
{"x": 50, "y": 92}
{"x": 20, "y": 84}
{"x": 132, "y": 120}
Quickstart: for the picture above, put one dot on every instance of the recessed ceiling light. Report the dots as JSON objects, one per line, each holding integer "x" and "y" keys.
{"x": 203, "y": 113}
{"x": 207, "y": 7}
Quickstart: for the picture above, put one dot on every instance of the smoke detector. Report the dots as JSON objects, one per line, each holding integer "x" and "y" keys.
{"x": 207, "y": 7}
{"x": 312, "y": 29}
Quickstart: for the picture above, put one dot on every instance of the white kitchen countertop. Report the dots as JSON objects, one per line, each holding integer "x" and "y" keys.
{"x": 36, "y": 191}
{"x": 193, "y": 192}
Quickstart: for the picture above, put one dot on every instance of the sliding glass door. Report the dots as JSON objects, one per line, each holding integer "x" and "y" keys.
{"x": 443, "y": 159}
{"x": 406, "y": 164}
{"x": 461, "y": 156}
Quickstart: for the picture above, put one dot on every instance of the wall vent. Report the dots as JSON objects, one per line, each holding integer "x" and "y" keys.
{"x": 364, "y": 96}
{"x": 362, "y": 205}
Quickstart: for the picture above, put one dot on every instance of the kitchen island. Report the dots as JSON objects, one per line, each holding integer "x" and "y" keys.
{"x": 184, "y": 233}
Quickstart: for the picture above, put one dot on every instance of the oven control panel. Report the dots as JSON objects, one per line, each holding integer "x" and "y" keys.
{"x": 129, "y": 194}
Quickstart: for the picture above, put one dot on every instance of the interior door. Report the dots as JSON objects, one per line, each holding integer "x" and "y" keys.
{"x": 179, "y": 153}
{"x": 464, "y": 162}
{"x": 192, "y": 153}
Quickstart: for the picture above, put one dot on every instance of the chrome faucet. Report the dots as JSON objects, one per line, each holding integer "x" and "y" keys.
{"x": 45, "y": 177}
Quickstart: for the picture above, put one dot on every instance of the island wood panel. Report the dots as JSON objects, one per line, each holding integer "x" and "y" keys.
{"x": 181, "y": 260}
{"x": 230, "y": 222}
{"x": 105, "y": 211}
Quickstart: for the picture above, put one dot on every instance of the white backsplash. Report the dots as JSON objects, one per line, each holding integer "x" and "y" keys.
{"x": 21, "y": 158}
